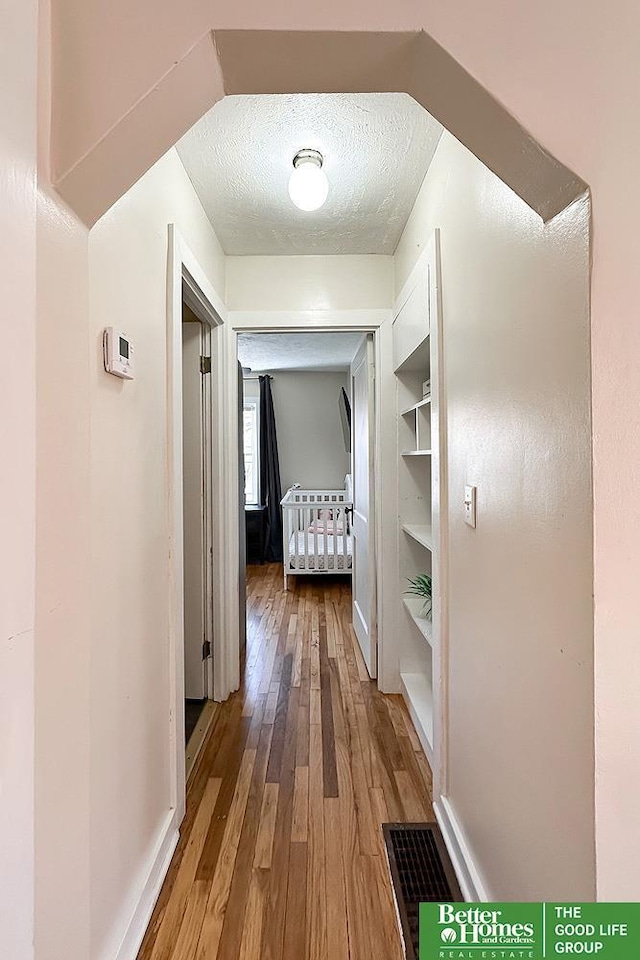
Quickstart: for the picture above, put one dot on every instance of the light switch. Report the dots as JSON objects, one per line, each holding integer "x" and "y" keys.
{"x": 470, "y": 505}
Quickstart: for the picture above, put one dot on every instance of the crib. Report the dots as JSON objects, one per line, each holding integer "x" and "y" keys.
{"x": 316, "y": 531}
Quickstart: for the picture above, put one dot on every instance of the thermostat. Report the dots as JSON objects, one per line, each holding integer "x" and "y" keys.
{"x": 118, "y": 353}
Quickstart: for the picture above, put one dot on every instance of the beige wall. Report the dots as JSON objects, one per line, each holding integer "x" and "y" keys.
{"x": 309, "y": 283}
{"x": 516, "y": 347}
{"x": 18, "y": 55}
{"x": 130, "y": 776}
{"x": 310, "y": 442}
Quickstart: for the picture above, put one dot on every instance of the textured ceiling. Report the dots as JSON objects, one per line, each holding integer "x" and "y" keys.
{"x": 297, "y": 351}
{"x": 376, "y": 147}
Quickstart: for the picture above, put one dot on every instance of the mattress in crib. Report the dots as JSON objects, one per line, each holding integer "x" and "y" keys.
{"x": 312, "y": 544}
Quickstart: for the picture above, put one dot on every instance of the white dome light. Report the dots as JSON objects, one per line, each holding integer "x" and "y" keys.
{"x": 308, "y": 186}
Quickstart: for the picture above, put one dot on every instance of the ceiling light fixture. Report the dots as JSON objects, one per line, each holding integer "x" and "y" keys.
{"x": 308, "y": 185}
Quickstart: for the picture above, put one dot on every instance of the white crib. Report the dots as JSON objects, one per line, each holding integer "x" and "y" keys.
{"x": 316, "y": 531}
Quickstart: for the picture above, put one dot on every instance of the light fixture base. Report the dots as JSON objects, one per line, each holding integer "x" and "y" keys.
{"x": 308, "y": 155}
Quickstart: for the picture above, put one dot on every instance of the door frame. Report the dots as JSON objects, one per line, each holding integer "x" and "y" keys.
{"x": 377, "y": 322}
{"x": 205, "y": 396}
{"x": 207, "y": 304}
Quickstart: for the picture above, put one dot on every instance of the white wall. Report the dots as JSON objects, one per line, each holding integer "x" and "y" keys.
{"x": 516, "y": 342}
{"x": 63, "y": 581}
{"x": 18, "y": 57}
{"x": 309, "y": 283}
{"x": 130, "y": 782}
{"x": 63, "y": 612}
{"x": 130, "y": 775}
{"x": 310, "y": 442}
{"x": 102, "y": 751}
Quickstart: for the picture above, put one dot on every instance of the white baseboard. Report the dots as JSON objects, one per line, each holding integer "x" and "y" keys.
{"x": 143, "y": 900}
{"x": 469, "y": 877}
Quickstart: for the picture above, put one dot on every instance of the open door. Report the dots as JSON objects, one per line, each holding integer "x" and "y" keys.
{"x": 362, "y": 527}
{"x": 197, "y": 496}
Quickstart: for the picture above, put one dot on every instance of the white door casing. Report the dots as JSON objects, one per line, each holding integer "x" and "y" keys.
{"x": 363, "y": 517}
{"x": 208, "y": 517}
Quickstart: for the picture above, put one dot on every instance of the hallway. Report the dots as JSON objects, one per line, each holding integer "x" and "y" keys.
{"x": 281, "y": 852}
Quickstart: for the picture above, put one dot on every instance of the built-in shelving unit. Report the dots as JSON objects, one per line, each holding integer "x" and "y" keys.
{"x": 416, "y": 342}
{"x": 414, "y": 607}
{"x": 421, "y": 532}
{"x": 417, "y": 690}
{"x": 411, "y": 354}
{"x": 415, "y": 407}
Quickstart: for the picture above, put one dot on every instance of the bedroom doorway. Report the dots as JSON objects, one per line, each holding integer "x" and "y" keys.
{"x": 308, "y": 436}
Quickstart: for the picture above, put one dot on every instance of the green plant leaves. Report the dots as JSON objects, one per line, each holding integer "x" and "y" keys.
{"x": 420, "y": 586}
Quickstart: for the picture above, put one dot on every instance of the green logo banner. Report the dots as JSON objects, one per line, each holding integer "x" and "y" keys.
{"x": 529, "y": 931}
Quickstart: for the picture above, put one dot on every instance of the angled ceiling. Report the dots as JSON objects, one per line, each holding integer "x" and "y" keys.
{"x": 377, "y": 148}
{"x": 297, "y": 351}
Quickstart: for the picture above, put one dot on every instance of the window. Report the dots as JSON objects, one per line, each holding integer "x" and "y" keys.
{"x": 251, "y": 451}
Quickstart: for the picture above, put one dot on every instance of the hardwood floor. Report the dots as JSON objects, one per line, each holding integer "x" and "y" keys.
{"x": 281, "y": 854}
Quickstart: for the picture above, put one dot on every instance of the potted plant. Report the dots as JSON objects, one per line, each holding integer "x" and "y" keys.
{"x": 420, "y": 586}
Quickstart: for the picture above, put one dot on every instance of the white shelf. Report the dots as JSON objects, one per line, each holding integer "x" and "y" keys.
{"x": 416, "y": 453}
{"x": 416, "y": 406}
{"x": 418, "y": 695}
{"x": 415, "y": 607}
{"x": 417, "y": 361}
{"x": 421, "y": 532}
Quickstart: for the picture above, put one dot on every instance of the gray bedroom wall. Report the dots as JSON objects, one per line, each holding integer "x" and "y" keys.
{"x": 310, "y": 441}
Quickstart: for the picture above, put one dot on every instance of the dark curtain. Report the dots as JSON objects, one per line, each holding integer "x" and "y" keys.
{"x": 270, "y": 489}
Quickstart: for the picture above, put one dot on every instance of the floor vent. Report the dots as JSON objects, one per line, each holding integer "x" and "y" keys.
{"x": 421, "y": 871}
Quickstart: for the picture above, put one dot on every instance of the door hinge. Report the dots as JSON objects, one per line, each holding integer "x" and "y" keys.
{"x": 206, "y": 649}
{"x": 205, "y": 364}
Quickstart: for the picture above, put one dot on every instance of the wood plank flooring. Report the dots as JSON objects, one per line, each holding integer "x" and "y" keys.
{"x": 281, "y": 854}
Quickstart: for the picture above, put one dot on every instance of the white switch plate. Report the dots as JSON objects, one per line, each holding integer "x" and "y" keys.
{"x": 470, "y": 505}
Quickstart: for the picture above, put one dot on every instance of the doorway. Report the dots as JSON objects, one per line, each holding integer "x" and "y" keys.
{"x": 309, "y": 441}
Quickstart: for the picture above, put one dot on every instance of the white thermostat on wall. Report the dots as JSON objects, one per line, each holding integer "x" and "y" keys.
{"x": 118, "y": 353}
